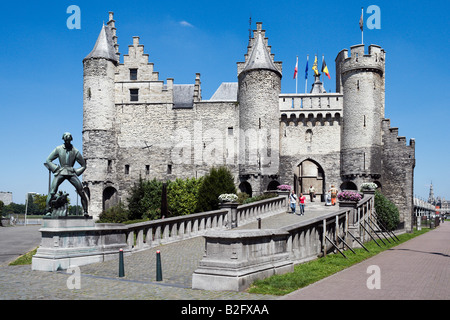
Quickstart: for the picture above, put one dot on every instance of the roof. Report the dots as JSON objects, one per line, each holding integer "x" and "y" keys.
{"x": 183, "y": 96}
{"x": 226, "y": 92}
{"x": 104, "y": 47}
{"x": 260, "y": 57}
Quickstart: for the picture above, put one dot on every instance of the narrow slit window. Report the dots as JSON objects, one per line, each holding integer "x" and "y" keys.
{"x": 127, "y": 169}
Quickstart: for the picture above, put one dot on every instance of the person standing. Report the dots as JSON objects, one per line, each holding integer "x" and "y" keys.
{"x": 333, "y": 192}
{"x": 312, "y": 192}
{"x": 301, "y": 201}
{"x": 293, "y": 201}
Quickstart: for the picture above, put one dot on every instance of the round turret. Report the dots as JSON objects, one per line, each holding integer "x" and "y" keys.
{"x": 258, "y": 96}
{"x": 362, "y": 81}
{"x": 99, "y": 116}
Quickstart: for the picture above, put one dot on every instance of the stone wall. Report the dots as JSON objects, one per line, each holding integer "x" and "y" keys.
{"x": 398, "y": 173}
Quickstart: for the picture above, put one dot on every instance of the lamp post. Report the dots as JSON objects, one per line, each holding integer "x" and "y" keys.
{"x": 26, "y": 205}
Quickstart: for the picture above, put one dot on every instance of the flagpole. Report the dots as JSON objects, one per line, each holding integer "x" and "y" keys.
{"x": 322, "y": 67}
{"x": 296, "y": 78}
{"x": 306, "y": 78}
{"x": 362, "y": 27}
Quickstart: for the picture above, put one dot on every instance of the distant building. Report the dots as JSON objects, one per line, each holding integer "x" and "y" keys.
{"x": 6, "y": 197}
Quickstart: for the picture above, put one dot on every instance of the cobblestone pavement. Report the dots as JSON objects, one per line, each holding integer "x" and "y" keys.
{"x": 101, "y": 281}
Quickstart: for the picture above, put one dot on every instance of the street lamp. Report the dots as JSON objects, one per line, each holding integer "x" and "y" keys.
{"x": 26, "y": 205}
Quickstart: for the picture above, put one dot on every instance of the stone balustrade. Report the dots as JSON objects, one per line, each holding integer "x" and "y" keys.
{"x": 149, "y": 234}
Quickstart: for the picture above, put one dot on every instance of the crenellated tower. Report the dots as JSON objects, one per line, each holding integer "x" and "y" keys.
{"x": 360, "y": 78}
{"x": 259, "y": 85}
{"x": 99, "y": 140}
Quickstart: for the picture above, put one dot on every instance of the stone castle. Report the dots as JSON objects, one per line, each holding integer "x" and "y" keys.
{"x": 136, "y": 125}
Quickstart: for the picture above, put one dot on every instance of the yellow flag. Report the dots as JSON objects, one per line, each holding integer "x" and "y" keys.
{"x": 314, "y": 67}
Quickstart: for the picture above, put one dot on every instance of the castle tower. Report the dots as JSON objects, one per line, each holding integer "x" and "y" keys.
{"x": 259, "y": 85}
{"x": 361, "y": 80}
{"x": 431, "y": 198}
{"x": 99, "y": 114}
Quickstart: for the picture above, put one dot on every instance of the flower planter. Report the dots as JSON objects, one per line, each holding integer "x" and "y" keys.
{"x": 347, "y": 204}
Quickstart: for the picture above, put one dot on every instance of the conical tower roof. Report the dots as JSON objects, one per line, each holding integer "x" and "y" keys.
{"x": 259, "y": 57}
{"x": 104, "y": 47}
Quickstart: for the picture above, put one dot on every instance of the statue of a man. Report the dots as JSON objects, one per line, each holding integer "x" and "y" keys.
{"x": 67, "y": 155}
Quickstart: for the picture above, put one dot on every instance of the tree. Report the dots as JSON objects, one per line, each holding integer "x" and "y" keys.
{"x": 145, "y": 200}
{"x": 40, "y": 201}
{"x": 217, "y": 181}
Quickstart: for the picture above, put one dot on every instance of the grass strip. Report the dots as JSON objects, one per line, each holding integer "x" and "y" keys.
{"x": 25, "y": 259}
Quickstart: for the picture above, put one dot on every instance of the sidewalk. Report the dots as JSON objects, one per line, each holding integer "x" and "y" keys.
{"x": 418, "y": 269}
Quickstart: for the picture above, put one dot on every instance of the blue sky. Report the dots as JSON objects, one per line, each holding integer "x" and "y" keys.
{"x": 41, "y": 76}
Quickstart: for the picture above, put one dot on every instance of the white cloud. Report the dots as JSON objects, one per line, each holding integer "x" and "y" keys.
{"x": 186, "y": 24}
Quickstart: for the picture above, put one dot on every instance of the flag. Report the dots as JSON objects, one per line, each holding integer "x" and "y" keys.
{"x": 296, "y": 69}
{"x": 316, "y": 72}
{"x": 306, "y": 70}
{"x": 325, "y": 69}
{"x": 361, "y": 20}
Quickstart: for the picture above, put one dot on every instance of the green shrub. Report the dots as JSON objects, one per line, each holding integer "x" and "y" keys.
{"x": 115, "y": 214}
{"x": 217, "y": 181}
{"x": 260, "y": 197}
{"x": 387, "y": 212}
{"x": 182, "y": 196}
{"x": 242, "y": 196}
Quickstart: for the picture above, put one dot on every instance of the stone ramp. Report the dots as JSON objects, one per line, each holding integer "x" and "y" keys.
{"x": 180, "y": 259}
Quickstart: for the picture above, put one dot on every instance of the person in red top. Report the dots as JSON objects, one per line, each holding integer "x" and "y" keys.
{"x": 301, "y": 201}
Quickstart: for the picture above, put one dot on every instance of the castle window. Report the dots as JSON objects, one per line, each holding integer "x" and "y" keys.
{"x": 147, "y": 169}
{"x": 308, "y": 135}
{"x": 109, "y": 167}
{"x": 169, "y": 169}
{"x": 133, "y": 74}
{"x": 230, "y": 131}
{"x": 127, "y": 169}
{"x": 134, "y": 94}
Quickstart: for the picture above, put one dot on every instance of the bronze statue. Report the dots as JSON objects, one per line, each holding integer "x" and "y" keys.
{"x": 67, "y": 155}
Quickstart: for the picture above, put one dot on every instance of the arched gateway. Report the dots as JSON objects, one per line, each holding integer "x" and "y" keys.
{"x": 310, "y": 173}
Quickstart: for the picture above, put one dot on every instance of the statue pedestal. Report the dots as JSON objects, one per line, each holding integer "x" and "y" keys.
{"x": 76, "y": 241}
